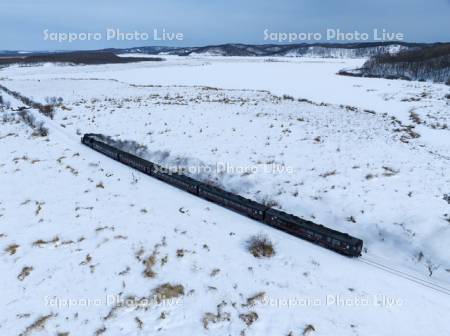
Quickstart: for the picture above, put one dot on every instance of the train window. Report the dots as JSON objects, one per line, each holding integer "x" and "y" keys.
{"x": 336, "y": 242}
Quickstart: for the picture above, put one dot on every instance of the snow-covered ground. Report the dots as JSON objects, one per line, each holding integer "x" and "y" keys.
{"x": 366, "y": 156}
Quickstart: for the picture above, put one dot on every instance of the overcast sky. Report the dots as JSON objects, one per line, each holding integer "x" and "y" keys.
{"x": 203, "y": 22}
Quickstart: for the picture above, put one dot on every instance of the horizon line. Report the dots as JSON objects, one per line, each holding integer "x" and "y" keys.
{"x": 230, "y": 43}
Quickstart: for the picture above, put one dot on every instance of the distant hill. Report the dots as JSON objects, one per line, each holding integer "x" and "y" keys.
{"x": 333, "y": 50}
{"x": 425, "y": 64}
{"x": 329, "y": 50}
{"x": 73, "y": 57}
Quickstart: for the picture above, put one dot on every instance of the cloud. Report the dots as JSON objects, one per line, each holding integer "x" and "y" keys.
{"x": 208, "y": 21}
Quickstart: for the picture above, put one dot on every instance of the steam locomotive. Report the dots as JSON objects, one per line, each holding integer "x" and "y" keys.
{"x": 318, "y": 234}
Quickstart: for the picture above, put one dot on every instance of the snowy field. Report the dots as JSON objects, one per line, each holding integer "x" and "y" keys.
{"x": 370, "y": 157}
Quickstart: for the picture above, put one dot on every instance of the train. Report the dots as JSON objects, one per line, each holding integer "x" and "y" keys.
{"x": 333, "y": 240}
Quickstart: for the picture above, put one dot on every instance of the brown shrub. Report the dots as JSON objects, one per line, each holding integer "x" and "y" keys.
{"x": 260, "y": 246}
{"x": 12, "y": 249}
{"x": 249, "y": 318}
{"x": 37, "y": 325}
{"x": 167, "y": 291}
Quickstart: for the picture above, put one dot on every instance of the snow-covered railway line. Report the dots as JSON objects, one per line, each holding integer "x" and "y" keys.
{"x": 412, "y": 278}
{"x": 39, "y": 120}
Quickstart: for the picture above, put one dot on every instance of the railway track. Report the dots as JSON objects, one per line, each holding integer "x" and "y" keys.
{"x": 402, "y": 274}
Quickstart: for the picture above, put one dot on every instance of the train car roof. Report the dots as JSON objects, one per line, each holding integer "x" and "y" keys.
{"x": 308, "y": 224}
{"x": 234, "y": 197}
{"x": 174, "y": 174}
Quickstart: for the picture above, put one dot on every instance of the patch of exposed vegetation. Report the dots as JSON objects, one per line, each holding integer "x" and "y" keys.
{"x": 388, "y": 171}
{"x": 327, "y": 174}
{"x": 37, "y": 325}
{"x": 219, "y": 316}
{"x": 45, "y": 109}
{"x": 415, "y": 117}
{"x": 39, "y": 130}
{"x": 149, "y": 262}
{"x": 100, "y": 331}
{"x": 249, "y": 318}
{"x": 254, "y": 299}
{"x": 260, "y": 246}
{"x": 167, "y": 291}
{"x": 309, "y": 329}
{"x": 25, "y": 272}
{"x": 12, "y": 249}
{"x": 214, "y": 272}
{"x": 41, "y": 242}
